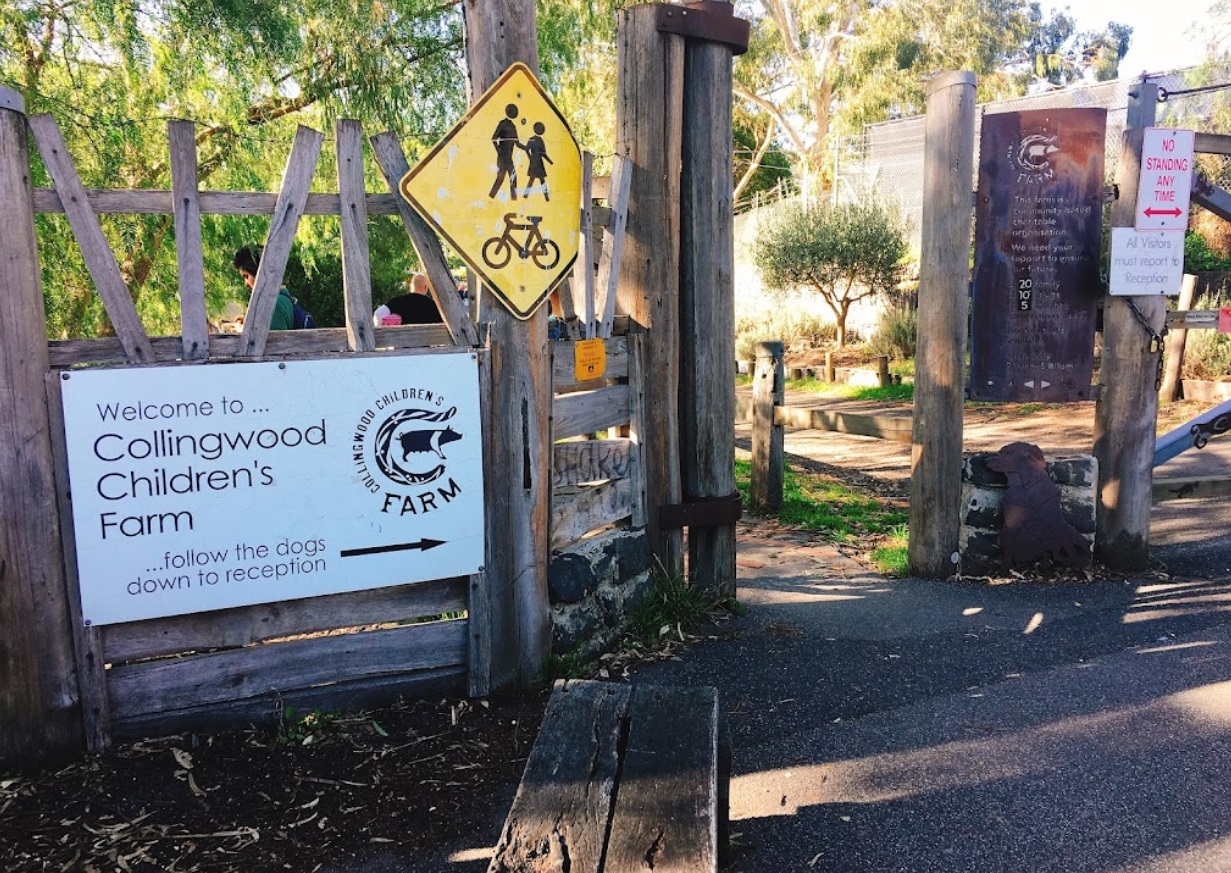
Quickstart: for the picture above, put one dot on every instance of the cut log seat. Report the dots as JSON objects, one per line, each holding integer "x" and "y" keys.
{"x": 620, "y": 778}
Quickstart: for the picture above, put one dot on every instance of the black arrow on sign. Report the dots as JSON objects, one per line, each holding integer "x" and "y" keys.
{"x": 423, "y": 544}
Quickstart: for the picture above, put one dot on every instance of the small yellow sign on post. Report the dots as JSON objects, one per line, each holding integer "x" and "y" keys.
{"x": 589, "y": 359}
{"x": 503, "y": 189}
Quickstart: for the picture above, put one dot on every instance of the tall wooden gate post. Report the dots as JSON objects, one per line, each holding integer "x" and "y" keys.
{"x": 517, "y": 434}
{"x": 944, "y": 278}
{"x": 707, "y": 304}
{"x": 649, "y": 131}
{"x": 39, "y": 718}
{"x": 1127, "y": 410}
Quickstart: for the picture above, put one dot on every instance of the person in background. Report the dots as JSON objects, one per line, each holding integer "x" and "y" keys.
{"x": 247, "y": 260}
{"x": 414, "y": 307}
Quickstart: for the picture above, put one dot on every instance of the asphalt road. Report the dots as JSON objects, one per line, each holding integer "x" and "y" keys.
{"x": 916, "y": 726}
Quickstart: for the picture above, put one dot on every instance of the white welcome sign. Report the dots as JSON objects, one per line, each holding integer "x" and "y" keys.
{"x": 208, "y": 487}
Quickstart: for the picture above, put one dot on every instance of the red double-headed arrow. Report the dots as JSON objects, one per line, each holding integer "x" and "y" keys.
{"x": 1174, "y": 212}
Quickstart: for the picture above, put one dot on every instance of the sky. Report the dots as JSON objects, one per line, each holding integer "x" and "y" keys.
{"x": 1166, "y": 36}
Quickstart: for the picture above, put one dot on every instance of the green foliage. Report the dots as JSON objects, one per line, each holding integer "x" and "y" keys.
{"x": 784, "y": 323}
{"x": 1199, "y": 257}
{"x": 577, "y": 60}
{"x": 896, "y": 393}
{"x": 764, "y": 165}
{"x": 891, "y": 556}
{"x": 1062, "y": 55}
{"x": 566, "y": 666}
{"x": 302, "y": 729}
{"x": 817, "y": 67}
{"x": 314, "y": 271}
{"x": 900, "y": 45}
{"x": 1207, "y": 353}
{"x": 896, "y": 334}
{"x": 113, "y": 71}
{"x": 844, "y": 252}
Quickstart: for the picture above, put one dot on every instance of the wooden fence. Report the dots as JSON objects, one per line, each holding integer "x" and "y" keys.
{"x": 205, "y": 669}
{"x": 61, "y": 678}
{"x": 349, "y": 649}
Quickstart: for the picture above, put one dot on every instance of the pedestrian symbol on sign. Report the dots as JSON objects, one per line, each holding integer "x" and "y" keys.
{"x": 485, "y": 188}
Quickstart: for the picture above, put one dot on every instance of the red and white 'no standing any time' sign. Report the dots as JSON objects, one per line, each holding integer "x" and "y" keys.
{"x": 1166, "y": 179}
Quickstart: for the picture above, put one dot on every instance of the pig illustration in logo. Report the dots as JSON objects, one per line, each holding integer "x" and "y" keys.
{"x": 426, "y": 441}
{"x": 1035, "y": 151}
{"x": 410, "y": 445}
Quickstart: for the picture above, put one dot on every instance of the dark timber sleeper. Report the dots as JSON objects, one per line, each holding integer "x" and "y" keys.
{"x": 621, "y": 778}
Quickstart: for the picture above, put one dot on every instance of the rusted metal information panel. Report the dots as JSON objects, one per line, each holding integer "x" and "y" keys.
{"x": 1037, "y": 236}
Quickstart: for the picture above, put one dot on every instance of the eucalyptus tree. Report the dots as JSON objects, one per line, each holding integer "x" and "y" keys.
{"x": 817, "y": 66}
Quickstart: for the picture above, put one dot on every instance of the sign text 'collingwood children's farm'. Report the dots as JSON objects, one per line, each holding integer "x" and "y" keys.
{"x": 199, "y": 488}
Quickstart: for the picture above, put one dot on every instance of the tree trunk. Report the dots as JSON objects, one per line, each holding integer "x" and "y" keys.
{"x": 842, "y": 310}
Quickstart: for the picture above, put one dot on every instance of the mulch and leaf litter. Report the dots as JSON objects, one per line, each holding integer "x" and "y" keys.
{"x": 316, "y": 791}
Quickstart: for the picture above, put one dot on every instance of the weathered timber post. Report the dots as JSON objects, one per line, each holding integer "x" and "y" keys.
{"x": 1126, "y": 414}
{"x": 882, "y": 371}
{"x": 831, "y": 371}
{"x": 517, "y": 427}
{"x": 1177, "y": 339}
{"x": 649, "y": 119}
{"x": 39, "y": 715}
{"x": 707, "y": 295}
{"x": 944, "y": 279}
{"x": 768, "y": 393}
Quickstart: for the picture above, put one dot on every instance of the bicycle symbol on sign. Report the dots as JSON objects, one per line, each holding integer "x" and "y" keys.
{"x": 498, "y": 251}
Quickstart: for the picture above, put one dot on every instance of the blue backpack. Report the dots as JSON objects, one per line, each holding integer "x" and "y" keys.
{"x": 303, "y": 318}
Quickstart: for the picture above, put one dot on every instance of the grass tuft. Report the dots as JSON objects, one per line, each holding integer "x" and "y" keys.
{"x": 672, "y": 604}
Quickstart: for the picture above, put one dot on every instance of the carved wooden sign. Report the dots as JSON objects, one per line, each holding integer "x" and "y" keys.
{"x": 1038, "y": 226}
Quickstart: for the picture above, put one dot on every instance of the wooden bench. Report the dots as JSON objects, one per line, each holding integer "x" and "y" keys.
{"x": 621, "y": 778}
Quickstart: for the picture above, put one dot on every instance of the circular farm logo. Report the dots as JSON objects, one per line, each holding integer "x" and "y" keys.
{"x": 1032, "y": 156}
{"x": 410, "y": 445}
{"x": 400, "y": 449}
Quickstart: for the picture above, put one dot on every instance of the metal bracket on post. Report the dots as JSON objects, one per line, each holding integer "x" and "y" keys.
{"x": 701, "y": 512}
{"x": 711, "y": 20}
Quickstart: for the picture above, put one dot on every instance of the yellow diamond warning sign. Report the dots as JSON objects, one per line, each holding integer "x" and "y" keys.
{"x": 503, "y": 189}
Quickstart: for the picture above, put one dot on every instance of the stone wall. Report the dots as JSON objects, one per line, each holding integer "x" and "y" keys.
{"x": 983, "y": 491}
{"x": 593, "y": 584}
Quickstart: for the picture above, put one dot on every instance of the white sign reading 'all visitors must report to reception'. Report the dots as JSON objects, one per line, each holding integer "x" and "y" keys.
{"x": 1145, "y": 262}
{"x": 202, "y": 488}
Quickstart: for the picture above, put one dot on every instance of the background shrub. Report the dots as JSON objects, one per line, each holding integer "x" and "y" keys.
{"x": 896, "y": 334}
{"x": 1207, "y": 353}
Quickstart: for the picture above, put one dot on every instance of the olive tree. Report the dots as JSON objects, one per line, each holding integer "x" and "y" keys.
{"x": 845, "y": 252}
